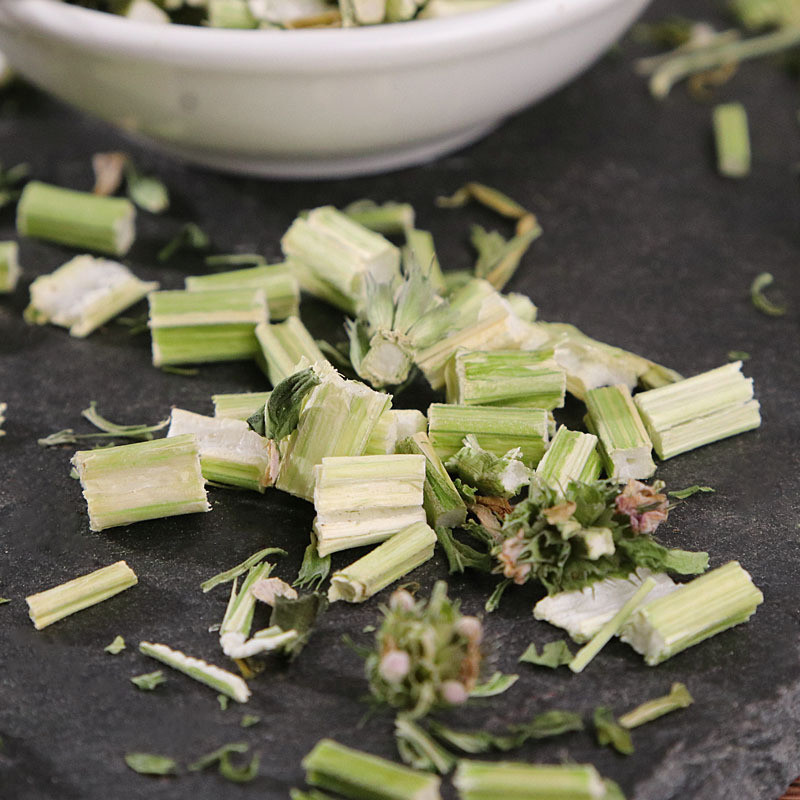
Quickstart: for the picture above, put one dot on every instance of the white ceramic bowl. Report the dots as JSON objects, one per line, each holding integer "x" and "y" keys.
{"x": 310, "y": 103}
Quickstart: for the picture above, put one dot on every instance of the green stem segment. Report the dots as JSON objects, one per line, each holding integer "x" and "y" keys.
{"x": 9, "y": 266}
{"x": 145, "y": 480}
{"x": 396, "y": 557}
{"x": 54, "y": 604}
{"x": 442, "y": 502}
{"x": 572, "y": 456}
{"x": 678, "y": 697}
{"x": 696, "y": 611}
{"x": 732, "y": 140}
{"x": 479, "y": 780}
{"x": 361, "y": 776}
{"x": 218, "y": 679}
{"x": 283, "y": 346}
{"x": 77, "y": 219}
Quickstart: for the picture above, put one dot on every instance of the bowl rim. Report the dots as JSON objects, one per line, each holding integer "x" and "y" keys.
{"x": 417, "y": 41}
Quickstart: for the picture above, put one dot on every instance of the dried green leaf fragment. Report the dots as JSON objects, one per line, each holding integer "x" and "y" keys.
{"x": 147, "y": 191}
{"x": 497, "y": 683}
{"x": 554, "y": 654}
{"x": 682, "y": 494}
{"x": 609, "y": 732}
{"x": 190, "y": 237}
{"x": 760, "y": 300}
{"x": 248, "y": 720}
{"x": 117, "y": 646}
{"x": 214, "y": 757}
{"x": 151, "y": 764}
{"x": 149, "y": 680}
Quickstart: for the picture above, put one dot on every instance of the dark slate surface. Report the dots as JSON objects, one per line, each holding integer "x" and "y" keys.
{"x": 644, "y": 247}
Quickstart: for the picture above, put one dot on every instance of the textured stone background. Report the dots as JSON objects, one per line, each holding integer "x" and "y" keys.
{"x": 644, "y": 246}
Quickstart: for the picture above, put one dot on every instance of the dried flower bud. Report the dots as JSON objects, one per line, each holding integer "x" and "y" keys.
{"x": 471, "y": 628}
{"x": 401, "y": 600}
{"x": 644, "y": 505}
{"x": 394, "y": 666}
{"x": 454, "y": 693}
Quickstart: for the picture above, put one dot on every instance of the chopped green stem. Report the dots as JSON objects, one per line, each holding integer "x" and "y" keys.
{"x": 77, "y": 219}
{"x": 277, "y": 280}
{"x": 240, "y": 405}
{"x": 478, "y": 780}
{"x": 419, "y": 750}
{"x": 240, "y": 569}
{"x": 760, "y": 300}
{"x": 698, "y": 610}
{"x": 54, "y": 604}
{"x": 572, "y": 456}
{"x": 387, "y": 218}
{"x": 146, "y": 480}
{"x": 352, "y": 773}
{"x": 624, "y": 444}
{"x": 84, "y": 293}
{"x": 9, "y": 266}
{"x": 396, "y": 557}
{"x": 699, "y": 410}
{"x": 442, "y": 502}
{"x": 678, "y": 697}
{"x": 284, "y": 345}
{"x": 732, "y": 140}
{"x": 365, "y": 499}
{"x": 218, "y": 679}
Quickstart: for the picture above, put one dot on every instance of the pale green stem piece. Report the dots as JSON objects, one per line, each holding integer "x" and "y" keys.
{"x": 317, "y": 286}
{"x": 678, "y": 697}
{"x": 352, "y": 773}
{"x": 732, "y": 140}
{"x": 340, "y": 252}
{"x": 230, "y": 452}
{"x": 682, "y": 65}
{"x": 283, "y": 346}
{"x": 386, "y": 218}
{"x": 199, "y": 327}
{"x": 698, "y": 610}
{"x": 699, "y": 410}
{"x": 419, "y": 250}
{"x": 522, "y": 306}
{"x": 145, "y": 480}
{"x": 239, "y": 405}
{"x": 497, "y": 328}
{"x": 442, "y": 502}
{"x": 54, "y": 604}
{"x": 218, "y": 679}
{"x": 414, "y": 745}
{"x": 396, "y": 557}
{"x": 497, "y": 429}
{"x": 238, "y": 619}
{"x": 611, "y": 628}
{"x": 481, "y": 780}
{"x": 9, "y": 266}
{"x": 84, "y": 293}
{"x": 230, "y": 14}
{"x": 624, "y": 444}
{"x": 277, "y": 280}
{"x": 337, "y": 419}
{"x": 524, "y": 379}
{"x": 77, "y": 219}
{"x": 361, "y": 500}
{"x": 394, "y": 425}
{"x": 572, "y": 456}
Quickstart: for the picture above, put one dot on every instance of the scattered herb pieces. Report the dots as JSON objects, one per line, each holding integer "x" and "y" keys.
{"x": 151, "y": 764}
{"x": 732, "y": 140}
{"x": 248, "y": 720}
{"x": 9, "y": 182}
{"x": 108, "y": 169}
{"x": 149, "y": 680}
{"x": 760, "y": 300}
{"x": 149, "y": 193}
{"x": 314, "y": 568}
{"x": 117, "y": 646}
{"x": 542, "y": 726}
{"x": 678, "y": 697}
{"x": 187, "y": 372}
{"x": 215, "y": 756}
{"x": 738, "y": 355}
{"x": 682, "y": 494}
{"x": 554, "y": 654}
{"x": 190, "y": 237}
{"x": 609, "y": 732}
{"x": 419, "y": 750}
{"x": 4, "y": 600}
{"x": 223, "y": 701}
{"x": 240, "y": 569}
{"x": 498, "y": 683}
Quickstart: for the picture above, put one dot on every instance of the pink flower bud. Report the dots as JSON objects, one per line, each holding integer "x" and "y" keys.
{"x": 454, "y": 693}
{"x": 401, "y": 600}
{"x": 471, "y": 628}
{"x": 394, "y": 666}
